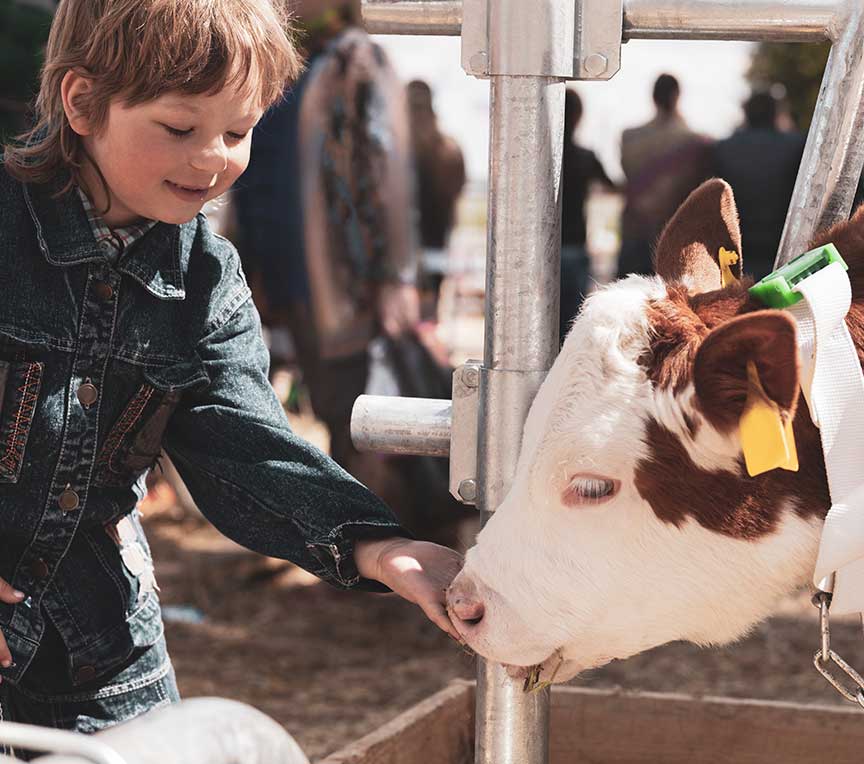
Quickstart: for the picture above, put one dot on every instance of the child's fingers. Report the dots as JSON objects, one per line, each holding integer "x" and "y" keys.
{"x": 5, "y": 653}
{"x": 8, "y": 594}
{"x": 437, "y": 613}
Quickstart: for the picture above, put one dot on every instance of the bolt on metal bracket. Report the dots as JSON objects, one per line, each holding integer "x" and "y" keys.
{"x": 599, "y": 31}
{"x": 463, "y": 432}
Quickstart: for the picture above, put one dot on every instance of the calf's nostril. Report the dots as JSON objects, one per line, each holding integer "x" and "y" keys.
{"x": 467, "y": 610}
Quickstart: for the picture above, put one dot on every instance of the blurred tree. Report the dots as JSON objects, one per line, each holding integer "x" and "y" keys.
{"x": 24, "y": 29}
{"x": 798, "y": 67}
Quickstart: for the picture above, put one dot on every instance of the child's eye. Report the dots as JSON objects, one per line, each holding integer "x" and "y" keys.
{"x": 237, "y": 136}
{"x": 177, "y": 132}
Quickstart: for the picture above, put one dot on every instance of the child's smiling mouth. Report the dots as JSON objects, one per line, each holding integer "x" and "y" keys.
{"x": 188, "y": 193}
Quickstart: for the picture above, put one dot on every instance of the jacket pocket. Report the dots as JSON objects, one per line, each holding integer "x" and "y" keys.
{"x": 135, "y": 440}
{"x": 19, "y": 391}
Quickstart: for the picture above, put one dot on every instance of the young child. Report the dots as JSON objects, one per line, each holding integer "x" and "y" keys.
{"x": 126, "y": 326}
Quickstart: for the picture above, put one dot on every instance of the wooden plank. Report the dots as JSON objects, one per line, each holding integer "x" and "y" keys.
{"x": 615, "y": 727}
{"x": 609, "y": 727}
{"x": 440, "y": 730}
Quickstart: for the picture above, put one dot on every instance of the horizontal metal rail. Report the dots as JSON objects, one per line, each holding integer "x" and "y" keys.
{"x": 775, "y": 20}
{"x": 392, "y": 425}
{"x": 757, "y": 20}
{"x": 438, "y": 17}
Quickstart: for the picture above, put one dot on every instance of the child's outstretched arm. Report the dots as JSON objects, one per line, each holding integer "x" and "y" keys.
{"x": 276, "y": 494}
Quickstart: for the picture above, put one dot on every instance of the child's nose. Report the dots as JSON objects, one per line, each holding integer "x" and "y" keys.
{"x": 212, "y": 159}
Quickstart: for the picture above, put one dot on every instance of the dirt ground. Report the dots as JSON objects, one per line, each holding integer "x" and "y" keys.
{"x": 332, "y": 666}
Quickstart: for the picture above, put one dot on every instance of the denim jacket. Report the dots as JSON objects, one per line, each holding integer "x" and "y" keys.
{"x": 103, "y": 364}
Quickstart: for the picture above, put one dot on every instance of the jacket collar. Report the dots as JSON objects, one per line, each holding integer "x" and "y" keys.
{"x": 157, "y": 260}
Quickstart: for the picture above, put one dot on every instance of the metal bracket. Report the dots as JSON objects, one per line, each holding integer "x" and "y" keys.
{"x": 599, "y": 30}
{"x": 526, "y": 38}
{"x": 463, "y": 432}
{"x": 569, "y": 39}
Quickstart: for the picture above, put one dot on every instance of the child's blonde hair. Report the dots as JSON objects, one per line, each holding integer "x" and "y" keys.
{"x": 137, "y": 50}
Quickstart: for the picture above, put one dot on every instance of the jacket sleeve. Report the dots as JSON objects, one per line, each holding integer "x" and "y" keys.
{"x": 254, "y": 479}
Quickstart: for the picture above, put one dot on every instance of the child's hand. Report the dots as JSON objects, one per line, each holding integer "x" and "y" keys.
{"x": 418, "y": 571}
{"x": 11, "y": 597}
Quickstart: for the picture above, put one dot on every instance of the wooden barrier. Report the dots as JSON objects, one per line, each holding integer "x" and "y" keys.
{"x": 616, "y": 727}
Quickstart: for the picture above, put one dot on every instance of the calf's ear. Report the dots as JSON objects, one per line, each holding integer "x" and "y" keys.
{"x": 688, "y": 250}
{"x": 766, "y": 341}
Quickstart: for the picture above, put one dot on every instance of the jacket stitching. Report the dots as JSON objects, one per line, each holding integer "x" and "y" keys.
{"x": 224, "y": 315}
{"x": 17, "y": 438}
{"x": 127, "y": 421}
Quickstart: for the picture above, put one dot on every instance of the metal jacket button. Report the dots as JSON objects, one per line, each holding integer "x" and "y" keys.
{"x": 39, "y": 569}
{"x": 103, "y": 291}
{"x": 87, "y": 394}
{"x": 68, "y": 500}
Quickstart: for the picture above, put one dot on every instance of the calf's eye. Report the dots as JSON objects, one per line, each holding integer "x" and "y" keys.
{"x": 589, "y": 490}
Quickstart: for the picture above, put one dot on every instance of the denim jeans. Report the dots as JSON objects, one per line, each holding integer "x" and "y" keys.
{"x": 144, "y": 682}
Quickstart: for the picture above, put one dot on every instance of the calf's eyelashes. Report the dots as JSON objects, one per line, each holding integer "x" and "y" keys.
{"x": 589, "y": 490}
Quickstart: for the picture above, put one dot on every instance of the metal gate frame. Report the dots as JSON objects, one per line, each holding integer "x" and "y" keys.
{"x": 528, "y": 49}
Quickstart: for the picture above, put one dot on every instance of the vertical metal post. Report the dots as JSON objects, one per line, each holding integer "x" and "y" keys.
{"x": 834, "y": 153}
{"x": 523, "y": 267}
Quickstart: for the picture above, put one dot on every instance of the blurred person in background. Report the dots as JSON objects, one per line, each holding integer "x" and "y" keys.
{"x": 324, "y": 212}
{"x": 760, "y": 162}
{"x": 663, "y": 161}
{"x": 580, "y": 169}
{"x": 440, "y": 177}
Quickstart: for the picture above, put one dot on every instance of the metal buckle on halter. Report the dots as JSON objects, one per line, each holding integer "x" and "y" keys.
{"x": 776, "y": 290}
{"x": 826, "y": 656}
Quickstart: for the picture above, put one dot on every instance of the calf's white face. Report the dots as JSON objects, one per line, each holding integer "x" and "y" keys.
{"x": 630, "y": 521}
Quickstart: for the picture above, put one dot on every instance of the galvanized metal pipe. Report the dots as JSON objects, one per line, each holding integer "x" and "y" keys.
{"x": 834, "y": 153}
{"x": 778, "y": 20}
{"x": 392, "y": 425}
{"x": 439, "y": 17}
{"x": 521, "y": 341}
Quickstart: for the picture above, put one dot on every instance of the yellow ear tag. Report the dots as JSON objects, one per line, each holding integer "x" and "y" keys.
{"x": 767, "y": 440}
{"x": 727, "y": 258}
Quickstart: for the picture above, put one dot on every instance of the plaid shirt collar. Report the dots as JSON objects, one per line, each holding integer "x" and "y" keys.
{"x": 114, "y": 240}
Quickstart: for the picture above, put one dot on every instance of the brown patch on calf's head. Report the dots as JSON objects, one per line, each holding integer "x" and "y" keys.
{"x": 767, "y": 339}
{"x": 677, "y": 326}
{"x": 689, "y": 247}
{"x": 730, "y": 503}
{"x": 675, "y": 332}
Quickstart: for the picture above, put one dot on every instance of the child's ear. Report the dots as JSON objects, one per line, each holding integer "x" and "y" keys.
{"x": 766, "y": 339}
{"x": 76, "y": 90}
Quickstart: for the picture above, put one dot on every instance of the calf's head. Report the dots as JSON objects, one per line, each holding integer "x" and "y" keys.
{"x": 631, "y": 520}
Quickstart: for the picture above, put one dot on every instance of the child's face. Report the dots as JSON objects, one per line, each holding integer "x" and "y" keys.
{"x": 165, "y": 158}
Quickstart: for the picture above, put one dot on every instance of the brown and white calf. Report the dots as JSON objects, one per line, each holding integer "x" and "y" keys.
{"x": 631, "y": 520}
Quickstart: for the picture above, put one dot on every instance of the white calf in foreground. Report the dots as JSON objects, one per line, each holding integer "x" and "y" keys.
{"x": 631, "y": 520}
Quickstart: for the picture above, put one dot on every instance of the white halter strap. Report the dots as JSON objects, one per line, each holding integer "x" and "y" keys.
{"x": 833, "y": 385}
